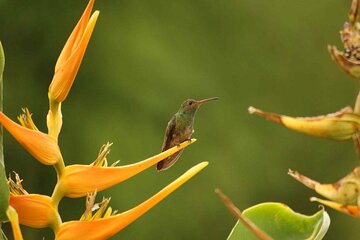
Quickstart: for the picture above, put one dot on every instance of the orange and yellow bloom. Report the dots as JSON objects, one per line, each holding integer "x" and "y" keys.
{"x": 41, "y": 211}
{"x": 67, "y": 67}
{"x": 103, "y": 228}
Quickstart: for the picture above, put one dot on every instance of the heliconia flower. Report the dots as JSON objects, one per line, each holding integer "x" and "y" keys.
{"x": 14, "y": 220}
{"x": 345, "y": 191}
{"x": 103, "y": 228}
{"x": 78, "y": 180}
{"x": 34, "y": 210}
{"x": 72, "y": 54}
{"x": 341, "y": 125}
{"x": 352, "y": 210}
{"x": 40, "y": 145}
{"x": 349, "y": 60}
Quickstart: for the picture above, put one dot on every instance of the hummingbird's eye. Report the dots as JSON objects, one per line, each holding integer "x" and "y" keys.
{"x": 191, "y": 102}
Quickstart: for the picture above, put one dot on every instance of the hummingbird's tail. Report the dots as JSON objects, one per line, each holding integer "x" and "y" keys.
{"x": 168, "y": 162}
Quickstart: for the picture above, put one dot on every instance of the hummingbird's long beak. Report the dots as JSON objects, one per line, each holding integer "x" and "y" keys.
{"x": 206, "y": 100}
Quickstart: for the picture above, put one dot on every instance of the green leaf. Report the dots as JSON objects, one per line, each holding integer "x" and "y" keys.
{"x": 281, "y": 222}
{"x": 4, "y": 190}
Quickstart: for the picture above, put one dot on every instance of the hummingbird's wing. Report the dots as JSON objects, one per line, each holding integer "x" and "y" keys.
{"x": 169, "y": 134}
{"x": 168, "y": 143}
{"x": 168, "y": 162}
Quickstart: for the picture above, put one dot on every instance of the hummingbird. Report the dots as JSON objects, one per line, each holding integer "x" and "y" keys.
{"x": 180, "y": 128}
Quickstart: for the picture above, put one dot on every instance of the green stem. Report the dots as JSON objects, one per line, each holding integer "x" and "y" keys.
{"x": 4, "y": 189}
{"x": 2, "y": 66}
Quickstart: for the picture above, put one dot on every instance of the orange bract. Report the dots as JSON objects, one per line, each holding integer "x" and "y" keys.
{"x": 40, "y": 145}
{"x": 79, "y": 180}
{"x": 35, "y": 210}
{"x": 71, "y": 56}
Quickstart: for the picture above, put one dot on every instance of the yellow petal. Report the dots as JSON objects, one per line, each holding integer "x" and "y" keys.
{"x": 35, "y": 210}
{"x": 39, "y": 145}
{"x": 104, "y": 228}
{"x": 78, "y": 180}
{"x": 341, "y": 125}
{"x": 351, "y": 210}
{"x": 67, "y": 68}
{"x": 14, "y": 220}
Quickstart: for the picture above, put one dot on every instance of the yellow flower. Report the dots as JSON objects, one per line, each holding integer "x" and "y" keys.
{"x": 41, "y": 146}
{"x": 78, "y": 180}
{"x": 103, "y": 228}
{"x": 72, "y": 54}
{"x": 341, "y": 125}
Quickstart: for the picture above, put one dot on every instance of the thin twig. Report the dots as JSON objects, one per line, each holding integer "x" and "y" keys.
{"x": 237, "y": 213}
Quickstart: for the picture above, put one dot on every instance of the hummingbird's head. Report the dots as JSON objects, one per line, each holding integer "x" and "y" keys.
{"x": 190, "y": 106}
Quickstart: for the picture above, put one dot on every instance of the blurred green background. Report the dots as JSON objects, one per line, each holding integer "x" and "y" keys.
{"x": 144, "y": 59}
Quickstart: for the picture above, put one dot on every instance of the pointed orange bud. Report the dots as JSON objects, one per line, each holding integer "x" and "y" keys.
{"x": 341, "y": 125}
{"x": 39, "y": 145}
{"x": 103, "y": 228}
{"x": 35, "y": 210}
{"x": 72, "y": 54}
{"x": 79, "y": 180}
